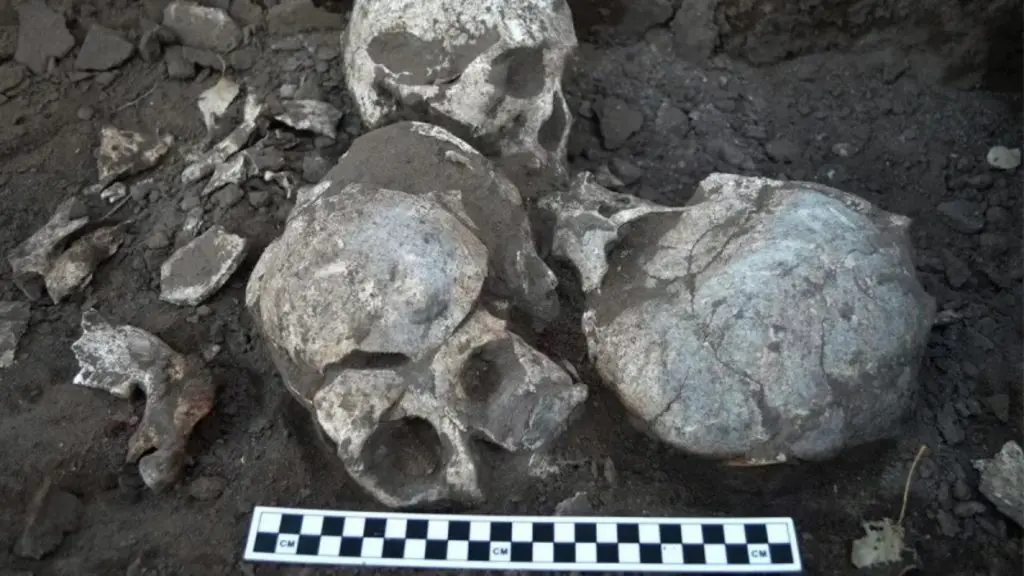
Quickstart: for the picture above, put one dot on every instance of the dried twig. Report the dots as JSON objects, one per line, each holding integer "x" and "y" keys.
{"x": 910, "y": 477}
{"x": 136, "y": 100}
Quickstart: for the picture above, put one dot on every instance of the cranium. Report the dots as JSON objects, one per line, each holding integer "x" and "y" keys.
{"x": 371, "y": 302}
{"x": 490, "y": 71}
{"x": 765, "y": 321}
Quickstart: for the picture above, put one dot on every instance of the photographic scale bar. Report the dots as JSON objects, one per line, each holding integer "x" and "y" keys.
{"x": 553, "y": 543}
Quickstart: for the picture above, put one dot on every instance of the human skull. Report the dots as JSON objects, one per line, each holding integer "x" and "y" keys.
{"x": 764, "y": 321}
{"x": 371, "y": 304}
{"x": 489, "y": 71}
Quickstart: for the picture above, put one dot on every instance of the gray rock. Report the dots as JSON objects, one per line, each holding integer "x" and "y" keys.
{"x": 258, "y": 198}
{"x": 957, "y": 271}
{"x": 1002, "y": 481}
{"x": 1003, "y": 158}
{"x": 52, "y": 513}
{"x": 203, "y": 58}
{"x": 247, "y": 12}
{"x": 618, "y": 122}
{"x": 178, "y": 68}
{"x": 197, "y": 270}
{"x": 641, "y": 15}
{"x": 963, "y": 216}
{"x": 14, "y": 318}
{"x": 292, "y": 17}
{"x": 969, "y": 508}
{"x": 999, "y": 405}
{"x": 244, "y": 58}
{"x": 314, "y": 167}
{"x": 783, "y": 151}
{"x": 8, "y": 42}
{"x": 150, "y": 48}
{"x": 202, "y": 26}
{"x": 42, "y": 36}
{"x": 628, "y": 173}
{"x": 576, "y": 505}
{"x": 228, "y": 196}
{"x": 949, "y": 425}
{"x": 948, "y": 524}
{"x": 11, "y": 75}
{"x": 671, "y": 120}
{"x": 103, "y": 49}
{"x": 766, "y": 320}
{"x": 694, "y": 29}
{"x": 206, "y": 488}
{"x": 731, "y": 154}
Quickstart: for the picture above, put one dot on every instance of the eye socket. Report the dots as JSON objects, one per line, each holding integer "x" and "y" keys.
{"x": 519, "y": 72}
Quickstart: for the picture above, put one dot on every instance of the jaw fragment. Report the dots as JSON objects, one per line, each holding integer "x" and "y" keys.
{"x": 179, "y": 391}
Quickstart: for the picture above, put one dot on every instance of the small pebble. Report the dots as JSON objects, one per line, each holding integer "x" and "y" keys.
{"x": 1003, "y": 158}
{"x": 206, "y": 488}
{"x": 86, "y": 113}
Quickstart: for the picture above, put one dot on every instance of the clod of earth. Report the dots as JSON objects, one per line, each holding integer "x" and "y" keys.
{"x": 375, "y": 307}
{"x": 1002, "y": 481}
{"x": 32, "y": 260}
{"x": 197, "y": 270}
{"x": 103, "y": 49}
{"x": 765, "y": 321}
{"x": 497, "y": 83}
{"x": 73, "y": 269}
{"x": 14, "y": 318}
{"x": 43, "y": 36}
{"x": 311, "y": 115}
{"x": 179, "y": 391}
{"x": 296, "y": 16}
{"x": 202, "y": 26}
{"x": 125, "y": 153}
{"x": 52, "y": 513}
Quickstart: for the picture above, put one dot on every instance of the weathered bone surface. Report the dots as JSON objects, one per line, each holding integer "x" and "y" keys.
{"x": 73, "y": 270}
{"x": 1002, "y": 481}
{"x": 490, "y": 70}
{"x": 371, "y": 301}
{"x": 767, "y": 320}
{"x": 179, "y": 391}
{"x": 425, "y": 160}
{"x": 14, "y": 317}
{"x": 202, "y": 267}
{"x": 32, "y": 259}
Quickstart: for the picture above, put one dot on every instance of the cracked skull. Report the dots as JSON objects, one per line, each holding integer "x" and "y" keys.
{"x": 764, "y": 321}
{"x": 490, "y": 71}
{"x": 372, "y": 305}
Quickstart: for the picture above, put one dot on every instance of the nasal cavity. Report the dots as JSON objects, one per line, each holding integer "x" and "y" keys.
{"x": 403, "y": 449}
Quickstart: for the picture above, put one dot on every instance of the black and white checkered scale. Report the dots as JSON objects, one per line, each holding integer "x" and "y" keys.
{"x": 443, "y": 541}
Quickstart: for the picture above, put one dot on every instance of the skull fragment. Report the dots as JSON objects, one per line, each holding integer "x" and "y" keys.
{"x": 374, "y": 303}
{"x": 764, "y": 321}
{"x": 490, "y": 71}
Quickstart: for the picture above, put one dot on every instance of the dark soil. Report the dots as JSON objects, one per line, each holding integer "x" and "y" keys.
{"x": 878, "y": 119}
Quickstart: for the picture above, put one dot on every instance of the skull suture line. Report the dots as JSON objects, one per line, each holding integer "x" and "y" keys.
{"x": 489, "y": 70}
{"x": 375, "y": 305}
